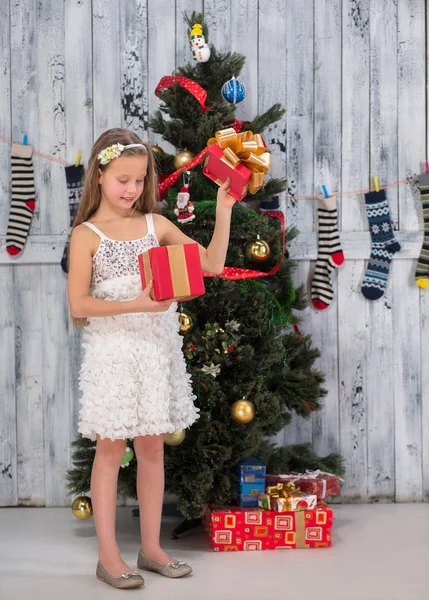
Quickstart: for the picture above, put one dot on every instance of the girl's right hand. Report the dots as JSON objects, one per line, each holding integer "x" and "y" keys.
{"x": 144, "y": 303}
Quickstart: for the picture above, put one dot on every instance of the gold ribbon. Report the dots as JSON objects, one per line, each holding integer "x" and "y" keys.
{"x": 247, "y": 148}
{"x": 300, "y": 529}
{"x": 284, "y": 490}
{"x": 179, "y": 271}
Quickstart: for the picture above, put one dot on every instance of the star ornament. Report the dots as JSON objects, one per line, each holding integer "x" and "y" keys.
{"x": 233, "y": 325}
{"x": 211, "y": 369}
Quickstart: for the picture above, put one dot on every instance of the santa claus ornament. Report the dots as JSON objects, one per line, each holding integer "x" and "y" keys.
{"x": 184, "y": 209}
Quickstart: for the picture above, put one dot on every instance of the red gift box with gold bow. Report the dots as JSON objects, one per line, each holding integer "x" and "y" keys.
{"x": 242, "y": 157}
{"x": 286, "y": 497}
{"x": 174, "y": 270}
{"x": 234, "y": 528}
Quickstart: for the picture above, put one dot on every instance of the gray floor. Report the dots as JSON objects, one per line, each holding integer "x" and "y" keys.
{"x": 380, "y": 552}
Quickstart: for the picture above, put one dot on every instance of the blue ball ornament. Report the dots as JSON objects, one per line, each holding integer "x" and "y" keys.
{"x": 233, "y": 91}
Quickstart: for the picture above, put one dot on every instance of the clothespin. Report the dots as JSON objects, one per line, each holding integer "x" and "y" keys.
{"x": 325, "y": 191}
{"x": 24, "y": 141}
{"x": 77, "y": 163}
{"x": 427, "y": 168}
{"x": 377, "y": 187}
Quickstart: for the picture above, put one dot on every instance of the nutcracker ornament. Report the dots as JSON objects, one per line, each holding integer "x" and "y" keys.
{"x": 184, "y": 209}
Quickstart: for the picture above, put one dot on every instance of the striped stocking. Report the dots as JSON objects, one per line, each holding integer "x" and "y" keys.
{"x": 329, "y": 255}
{"x": 23, "y": 198}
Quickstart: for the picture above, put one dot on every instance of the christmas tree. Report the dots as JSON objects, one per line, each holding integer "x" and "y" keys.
{"x": 251, "y": 368}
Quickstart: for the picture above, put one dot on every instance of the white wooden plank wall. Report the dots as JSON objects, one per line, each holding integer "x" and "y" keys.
{"x": 351, "y": 74}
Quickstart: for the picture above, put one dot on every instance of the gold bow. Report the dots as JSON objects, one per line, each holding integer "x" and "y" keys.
{"x": 284, "y": 490}
{"x": 247, "y": 148}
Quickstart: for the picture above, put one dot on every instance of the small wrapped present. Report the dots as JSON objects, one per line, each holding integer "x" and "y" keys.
{"x": 251, "y": 470}
{"x": 175, "y": 271}
{"x": 317, "y": 482}
{"x": 252, "y": 488}
{"x": 285, "y": 497}
{"x": 237, "y": 528}
{"x": 247, "y": 500}
{"x": 249, "y": 493}
{"x": 240, "y": 156}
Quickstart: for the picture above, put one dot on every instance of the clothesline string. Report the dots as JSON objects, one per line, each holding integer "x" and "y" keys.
{"x": 47, "y": 156}
{"x": 352, "y": 193}
{"x": 282, "y": 197}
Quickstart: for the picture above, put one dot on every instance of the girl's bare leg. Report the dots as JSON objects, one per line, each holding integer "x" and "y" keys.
{"x": 104, "y": 485}
{"x": 149, "y": 451}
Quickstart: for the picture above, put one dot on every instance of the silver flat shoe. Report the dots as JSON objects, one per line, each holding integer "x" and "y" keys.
{"x": 174, "y": 569}
{"x": 128, "y": 579}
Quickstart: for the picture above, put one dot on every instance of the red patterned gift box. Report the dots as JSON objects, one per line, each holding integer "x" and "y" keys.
{"x": 234, "y": 528}
{"x": 175, "y": 271}
{"x": 319, "y": 483}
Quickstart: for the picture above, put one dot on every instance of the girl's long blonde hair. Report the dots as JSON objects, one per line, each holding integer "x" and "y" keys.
{"x": 91, "y": 194}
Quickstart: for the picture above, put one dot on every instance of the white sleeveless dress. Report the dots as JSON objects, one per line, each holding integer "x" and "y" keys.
{"x": 133, "y": 376}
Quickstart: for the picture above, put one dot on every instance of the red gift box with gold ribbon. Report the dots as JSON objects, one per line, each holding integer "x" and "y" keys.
{"x": 233, "y": 528}
{"x": 175, "y": 271}
{"x": 240, "y": 156}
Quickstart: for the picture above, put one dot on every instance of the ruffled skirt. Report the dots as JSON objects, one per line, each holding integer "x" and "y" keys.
{"x": 133, "y": 376}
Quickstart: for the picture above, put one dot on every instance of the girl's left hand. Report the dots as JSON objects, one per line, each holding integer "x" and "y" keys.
{"x": 224, "y": 199}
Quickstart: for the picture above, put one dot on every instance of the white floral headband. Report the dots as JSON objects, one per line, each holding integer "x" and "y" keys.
{"x": 115, "y": 151}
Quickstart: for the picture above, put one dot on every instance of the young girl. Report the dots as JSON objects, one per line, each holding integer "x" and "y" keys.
{"x": 133, "y": 376}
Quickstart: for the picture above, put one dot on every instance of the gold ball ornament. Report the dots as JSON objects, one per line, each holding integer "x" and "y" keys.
{"x": 175, "y": 438}
{"x": 182, "y": 158}
{"x": 258, "y": 251}
{"x": 242, "y": 411}
{"x": 186, "y": 323}
{"x": 82, "y": 507}
{"x": 157, "y": 149}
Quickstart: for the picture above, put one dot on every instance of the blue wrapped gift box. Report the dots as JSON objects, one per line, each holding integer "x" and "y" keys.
{"x": 247, "y": 500}
{"x": 252, "y": 481}
{"x": 252, "y": 489}
{"x": 251, "y": 470}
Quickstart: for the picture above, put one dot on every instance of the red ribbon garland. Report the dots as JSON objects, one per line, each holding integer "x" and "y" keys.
{"x": 297, "y": 330}
{"x": 236, "y": 124}
{"x": 233, "y": 273}
{"x": 193, "y": 88}
{"x": 200, "y": 95}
